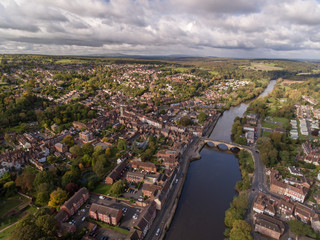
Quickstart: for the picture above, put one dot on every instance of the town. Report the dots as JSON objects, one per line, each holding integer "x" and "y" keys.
{"x": 101, "y": 149}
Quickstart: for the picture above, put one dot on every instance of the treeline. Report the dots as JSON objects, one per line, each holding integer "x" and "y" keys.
{"x": 276, "y": 148}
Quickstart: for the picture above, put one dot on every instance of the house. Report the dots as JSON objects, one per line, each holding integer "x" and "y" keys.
{"x": 61, "y": 147}
{"x": 303, "y": 213}
{"x": 116, "y": 173}
{"x": 135, "y": 177}
{"x": 150, "y": 190}
{"x": 247, "y": 127}
{"x": 72, "y": 205}
{"x": 295, "y": 171}
{"x": 69, "y": 208}
{"x": 86, "y": 136}
{"x": 147, "y": 166}
{"x": 269, "y": 226}
{"x": 105, "y": 214}
{"x": 250, "y": 137}
{"x": 146, "y": 219}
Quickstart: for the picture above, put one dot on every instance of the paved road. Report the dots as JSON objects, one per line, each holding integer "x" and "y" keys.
{"x": 165, "y": 212}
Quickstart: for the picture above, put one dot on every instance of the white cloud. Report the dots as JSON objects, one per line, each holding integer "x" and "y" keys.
{"x": 241, "y": 28}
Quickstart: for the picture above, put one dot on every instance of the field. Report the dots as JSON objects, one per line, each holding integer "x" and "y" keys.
{"x": 6, "y": 233}
{"x": 11, "y": 204}
{"x": 102, "y": 189}
{"x": 263, "y": 66}
{"x": 289, "y": 82}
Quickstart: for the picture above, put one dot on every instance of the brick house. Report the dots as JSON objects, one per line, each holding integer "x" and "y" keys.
{"x": 61, "y": 147}
{"x": 147, "y": 166}
{"x": 146, "y": 219}
{"x": 268, "y": 226}
{"x": 72, "y": 205}
{"x": 135, "y": 177}
{"x": 105, "y": 214}
{"x": 116, "y": 173}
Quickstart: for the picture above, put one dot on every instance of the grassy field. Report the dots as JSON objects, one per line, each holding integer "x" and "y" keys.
{"x": 270, "y": 125}
{"x": 6, "y": 233}
{"x": 70, "y": 61}
{"x": 285, "y": 122}
{"x": 102, "y": 189}
{"x": 263, "y": 66}
{"x": 264, "y": 133}
{"x": 115, "y": 228}
{"x": 11, "y": 203}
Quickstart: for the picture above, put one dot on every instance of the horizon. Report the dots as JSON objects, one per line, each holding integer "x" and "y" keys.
{"x": 195, "y": 28}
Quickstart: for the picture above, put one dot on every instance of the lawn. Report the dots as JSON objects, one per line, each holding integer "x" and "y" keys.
{"x": 10, "y": 203}
{"x": 264, "y": 133}
{"x": 102, "y": 189}
{"x": 270, "y": 125}
{"x": 284, "y": 121}
{"x": 6, "y": 233}
{"x": 115, "y": 228}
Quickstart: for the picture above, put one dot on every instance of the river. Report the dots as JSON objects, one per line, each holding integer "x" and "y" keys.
{"x": 209, "y": 186}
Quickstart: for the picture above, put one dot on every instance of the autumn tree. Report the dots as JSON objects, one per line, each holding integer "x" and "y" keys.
{"x": 57, "y": 198}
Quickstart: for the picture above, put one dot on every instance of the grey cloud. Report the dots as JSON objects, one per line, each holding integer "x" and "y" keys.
{"x": 156, "y": 26}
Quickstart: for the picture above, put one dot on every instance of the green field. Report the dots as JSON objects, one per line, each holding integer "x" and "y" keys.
{"x": 270, "y": 125}
{"x": 11, "y": 203}
{"x": 115, "y": 228}
{"x": 264, "y": 133}
{"x": 102, "y": 189}
{"x": 285, "y": 122}
{"x": 6, "y": 233}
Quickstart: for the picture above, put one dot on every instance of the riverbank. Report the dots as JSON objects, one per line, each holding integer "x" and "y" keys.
{"x": 217, "y": 179}
{"x": 192, "y": 153}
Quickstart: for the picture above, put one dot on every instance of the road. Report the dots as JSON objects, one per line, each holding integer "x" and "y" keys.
{"x": 164, "y": 214}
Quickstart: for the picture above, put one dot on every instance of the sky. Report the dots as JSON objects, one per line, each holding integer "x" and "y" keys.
{"x": 222, "y": 28}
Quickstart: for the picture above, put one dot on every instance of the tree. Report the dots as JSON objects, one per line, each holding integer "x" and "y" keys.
{"x": 68, "y": 140}
{"x": 108, "y": 152}
{"x": 231, "y": 215}
{"x": 40, "y": 225}
{"x": 25, "y": 181}
{"x": 72, "y": 175}
{"x": 57, "y": 198}
{"x": 240, "y": 230}
{"x": 301, "y": 229}
{"x": 122, "y": 144}
{"x": 43, "y": 177}
{"x": 71, "y": 188}
{"x": 87, "y": 148}
{"x": 99, "y": 167}
{"x": 185, "y": 121}
{"x": 10, "y": 188}
{"x": 43, "y": 193}
{"x": 76, "y": 150}
{"x": 117, "y": 188}
{"x": 202, "y": 117}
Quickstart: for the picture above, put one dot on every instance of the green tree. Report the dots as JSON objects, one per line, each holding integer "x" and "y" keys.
{"x": 122, "y": 144}
{"x": 76, "y": 150}
{"x": 57, "y": 198}
{"x": 9, "y": 188}
{"x": 117, "y": 188}
{"x": 240, "y": 230}
{"x": 40, "y": 225}
{"x": 301, "y": 229}
{"x": 202, "y": 117}
{"x": 87, "y": 148}
{"x": 68, "y": 140}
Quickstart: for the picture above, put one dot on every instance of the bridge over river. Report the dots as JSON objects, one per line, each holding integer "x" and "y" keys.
{"x": 230, "y": 145}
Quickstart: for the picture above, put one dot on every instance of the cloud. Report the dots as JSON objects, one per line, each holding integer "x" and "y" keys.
{"x": 241, "y": 28}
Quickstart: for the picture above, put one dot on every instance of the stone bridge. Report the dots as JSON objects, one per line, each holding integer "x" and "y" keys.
{"x": 230, "y": 145}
